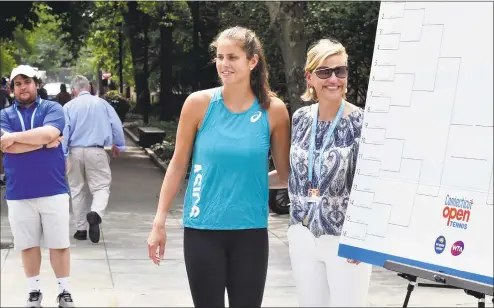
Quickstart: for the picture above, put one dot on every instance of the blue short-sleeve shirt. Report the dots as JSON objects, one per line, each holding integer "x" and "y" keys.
{"x": 39, "y": 173}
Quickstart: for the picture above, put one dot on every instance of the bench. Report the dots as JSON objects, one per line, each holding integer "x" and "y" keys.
{"x": 150, "y": 135}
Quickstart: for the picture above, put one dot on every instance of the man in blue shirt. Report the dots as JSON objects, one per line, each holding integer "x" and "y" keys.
{"x": 92, "y": 124}
{"x": 36, "y": 191}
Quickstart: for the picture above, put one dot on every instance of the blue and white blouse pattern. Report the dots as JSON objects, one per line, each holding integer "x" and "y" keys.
{"x": 337, "y": 171}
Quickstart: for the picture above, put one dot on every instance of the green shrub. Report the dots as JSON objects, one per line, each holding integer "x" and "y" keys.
{"x": 113, "y": 95}
{"x": 164, "y": 150}
{"x": 170, "y": 127}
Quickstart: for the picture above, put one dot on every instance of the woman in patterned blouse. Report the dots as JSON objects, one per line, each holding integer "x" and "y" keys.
{"x": 319, "y": 190}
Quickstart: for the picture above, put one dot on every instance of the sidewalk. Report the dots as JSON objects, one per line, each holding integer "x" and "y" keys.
{"x": 117, "y": 272}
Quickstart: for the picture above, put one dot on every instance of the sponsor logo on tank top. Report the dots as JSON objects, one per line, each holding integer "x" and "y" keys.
{"x": 255, "y": 117}
{"x": 196, "y": 191}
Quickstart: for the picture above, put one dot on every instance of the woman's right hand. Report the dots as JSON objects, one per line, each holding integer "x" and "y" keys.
{"x": 156, "y": 243}
{"x": 193, "y": 111}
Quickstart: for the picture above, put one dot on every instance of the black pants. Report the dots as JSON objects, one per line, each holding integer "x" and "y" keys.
{"x": 233, "y": 259}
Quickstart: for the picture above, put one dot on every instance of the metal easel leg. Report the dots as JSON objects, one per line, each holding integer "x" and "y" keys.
{"x": 412, "y": 282}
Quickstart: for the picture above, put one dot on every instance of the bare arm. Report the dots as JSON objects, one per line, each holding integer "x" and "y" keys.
{"x": 53, "y": 125}
{"x": 18, "y": 148}
{"x": 37, "y": 136}
{"x": 192, "y": 112}
{"x": 280, "y": 143}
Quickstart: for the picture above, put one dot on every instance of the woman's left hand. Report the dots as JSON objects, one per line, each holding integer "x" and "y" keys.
{"x": 353, "y": 261}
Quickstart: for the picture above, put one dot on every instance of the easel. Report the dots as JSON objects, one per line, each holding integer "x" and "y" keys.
{"x": 411, "y": 273}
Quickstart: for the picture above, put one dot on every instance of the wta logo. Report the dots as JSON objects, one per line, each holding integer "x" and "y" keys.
{"x": 457, "y": 212}
{"x": 196, "y": 191}
{"x": 457, "y": 248}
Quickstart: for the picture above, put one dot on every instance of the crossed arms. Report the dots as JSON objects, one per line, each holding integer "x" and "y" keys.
{"x": 21, "y": 142}
{"x": 31, "y": 140}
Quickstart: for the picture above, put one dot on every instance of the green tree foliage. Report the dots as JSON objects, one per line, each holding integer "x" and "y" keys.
{"x": 101, "y": 50}
{"x": 76, "y": 19}
{"x": 14, "y": 15}
{"x": 354, "y": 25}
{"x": 40, "y": 47}
{"x": 255, "y": 16}
{"x": 166, "y": 44}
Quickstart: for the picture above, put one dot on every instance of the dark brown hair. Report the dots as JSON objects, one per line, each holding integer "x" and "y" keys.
{"x": 250, "y": 44}
{"x": 35, "y": 79}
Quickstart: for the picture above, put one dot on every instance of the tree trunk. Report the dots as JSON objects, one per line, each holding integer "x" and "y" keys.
{"x": 194, "y": 9}
{"x": 100, "y": 82}
{"x": 138, "y": 48}
{"x": 167, "y": 109}
{"x": 146, "y": 99}
{"x": 208, "y": 29}
{"x": 287, "y": 21}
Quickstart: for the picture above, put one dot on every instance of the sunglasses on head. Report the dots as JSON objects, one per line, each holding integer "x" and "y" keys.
{"x": 326, "y": 72}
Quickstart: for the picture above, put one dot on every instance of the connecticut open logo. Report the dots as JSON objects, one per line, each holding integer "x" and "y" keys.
{"x": 457, "y": 212}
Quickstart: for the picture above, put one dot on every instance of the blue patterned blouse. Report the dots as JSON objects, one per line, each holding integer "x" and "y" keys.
{"x": 335, "y": 180}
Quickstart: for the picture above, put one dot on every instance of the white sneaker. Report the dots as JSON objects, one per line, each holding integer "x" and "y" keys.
{"x": 34, "y": 299}
{"x": 64, "y": 299}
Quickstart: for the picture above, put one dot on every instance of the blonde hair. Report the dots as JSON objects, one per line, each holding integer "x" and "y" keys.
{"x": 317, "y": 53}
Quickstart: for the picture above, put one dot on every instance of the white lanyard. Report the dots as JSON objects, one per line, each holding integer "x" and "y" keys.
{"x": 21, "y": 119}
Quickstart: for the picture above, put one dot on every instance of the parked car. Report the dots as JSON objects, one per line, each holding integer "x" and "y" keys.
{"x": 279, "y": 202}
{"x": 53, "y": 88}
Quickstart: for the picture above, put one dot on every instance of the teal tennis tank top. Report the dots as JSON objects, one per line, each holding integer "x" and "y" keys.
{"x": 228, "y": 182}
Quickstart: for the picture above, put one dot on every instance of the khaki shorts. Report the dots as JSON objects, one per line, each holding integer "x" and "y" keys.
{"x": 46, "y": 218}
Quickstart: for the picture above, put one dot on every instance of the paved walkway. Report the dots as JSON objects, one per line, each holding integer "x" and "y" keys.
{"x": 117, "y": 272}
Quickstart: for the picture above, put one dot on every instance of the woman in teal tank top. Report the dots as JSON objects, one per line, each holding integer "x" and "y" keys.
{"x": 229, "y": 130}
